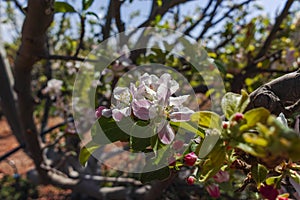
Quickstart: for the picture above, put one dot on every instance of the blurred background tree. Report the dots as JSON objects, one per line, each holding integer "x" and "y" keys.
{"x": 249, "y": 46}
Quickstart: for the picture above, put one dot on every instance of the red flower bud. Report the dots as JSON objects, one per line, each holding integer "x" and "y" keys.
{"x": 190, "y": 159}
{"x": 221, "y": 176}
{"x": 98, "y": 112}
{"x": 190, "y": 180}
{"x": 225, "y": 125}
{"x": 282, "y": 198}
{"x": 238, "y": 116}
{"x": 268, "y": 192}
{"x": 213, "y": 190}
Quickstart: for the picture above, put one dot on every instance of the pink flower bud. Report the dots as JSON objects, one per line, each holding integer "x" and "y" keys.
{"x": 213, "y": 190}
{"x": 190, "y": 180}
{"x": 268, "y": 192}
{"x": 221, "y": 176}
{"x": 98, "y": 112}
{"x": 282, "y": 198}
{"x": 190, "y": 159}
{"x": 238, "y": 116}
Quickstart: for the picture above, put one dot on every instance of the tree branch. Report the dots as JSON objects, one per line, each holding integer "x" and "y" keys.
{"x": 82, "y": 33}
{"x": 265, "y": 47}
{"x": 107, "y": 26}
{"x": 202, "y": 16}
{"x": 251, "y": 68}
{"x": 279, "y": 95}
{"x": 160, "y": 10}
{"x": 209, "y": 21}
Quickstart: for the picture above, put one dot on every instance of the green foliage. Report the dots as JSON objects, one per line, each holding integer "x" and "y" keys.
{"x": 107, "y": 131}
{"x": 207, "y": 119}
{"x": 86, "y": 4}
{"x": 87, "y": 151}
{"x": 234, "y": 103}
{"x": 16, "y": 187}
{"x": 63, "y": 7}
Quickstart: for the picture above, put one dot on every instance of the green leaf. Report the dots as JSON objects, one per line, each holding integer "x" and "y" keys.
{"x": 213, "y": 164}
{"x": 295, "y": 176}
{"x": 273, "y": 180}
{"x": 254, "y": 139}
{"x": 254, "y": 116}
{"x": 160, "y": 174}
{"x": 259, "y": 152}
{"x": 93, "y": 14}
{"x": 141, "y": 133}
{"x": 259, "y": 173}
{"x": 63, "y": 7}
{"x": 108, "y": 131}
{"x": 161, "y": 151}
{"x": 233, "y": 103}
{"x": 189, "y": 127}
{"x": 209, "y": 142}
{"x": 207, "y": 119}
{"x": 139, "y": 144}
{"x": 86, "y": 4}
{"x": 86, "y": 152}
{"x": 220, "y": 67}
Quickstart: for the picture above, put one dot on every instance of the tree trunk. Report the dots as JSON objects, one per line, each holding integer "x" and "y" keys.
{"x": 38, "y": 18}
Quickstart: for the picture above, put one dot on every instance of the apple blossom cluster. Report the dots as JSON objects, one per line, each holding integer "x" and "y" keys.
{"x": 53, "y": 88}
{"x": 150, "y": 98}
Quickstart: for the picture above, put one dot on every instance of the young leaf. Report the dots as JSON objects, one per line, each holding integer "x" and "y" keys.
{"x": 207, "y": 119}
{"x": 63, "y": 7}
{"x": 139, "y": 144}
{"x": 86, "y": 4}
{"x": 259, "y": 152}
{"x": 213, "y": 164}
{"x": 189, "y": 127}
{"x": 108, "y": 131}
{"x": 209, "y": 142}
{"x": 254, "y": 139}
{"x": 86, "y": 152}
{"x": 232, "y": 103}
{"x": 259, "y": 173}
{"x": 254, "y": 116}
{"x": 273, "y": 180}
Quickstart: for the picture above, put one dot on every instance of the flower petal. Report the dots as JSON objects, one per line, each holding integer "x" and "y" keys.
{"x": 166, "y": 134}
{"x": 122, "y": 94}
{"x": 178, "y": 101}
{"x": 141, "y": 109}
{"x": 174, "y": 86}
{"x": 118, "y": 114}
{"x": 181, "y": 114}
{"x": 163, "y": 94}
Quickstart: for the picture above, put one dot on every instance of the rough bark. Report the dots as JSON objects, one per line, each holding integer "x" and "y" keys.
{"x": 7, "y": 97}
{"x": 38, "y": 18}
{"x": 279, "y": 95}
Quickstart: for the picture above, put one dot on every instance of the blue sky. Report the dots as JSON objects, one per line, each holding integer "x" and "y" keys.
{"x": 272, "y": 7}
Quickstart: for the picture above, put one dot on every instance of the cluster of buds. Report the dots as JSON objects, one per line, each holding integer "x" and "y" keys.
{"x": 237, "y": 118}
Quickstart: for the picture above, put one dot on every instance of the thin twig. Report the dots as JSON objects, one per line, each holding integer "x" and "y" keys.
{"x": 82, "y": 33}
{"x": 202, "y": 16}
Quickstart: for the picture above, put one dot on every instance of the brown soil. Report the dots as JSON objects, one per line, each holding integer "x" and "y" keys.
{"x": 23, "y": 163}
